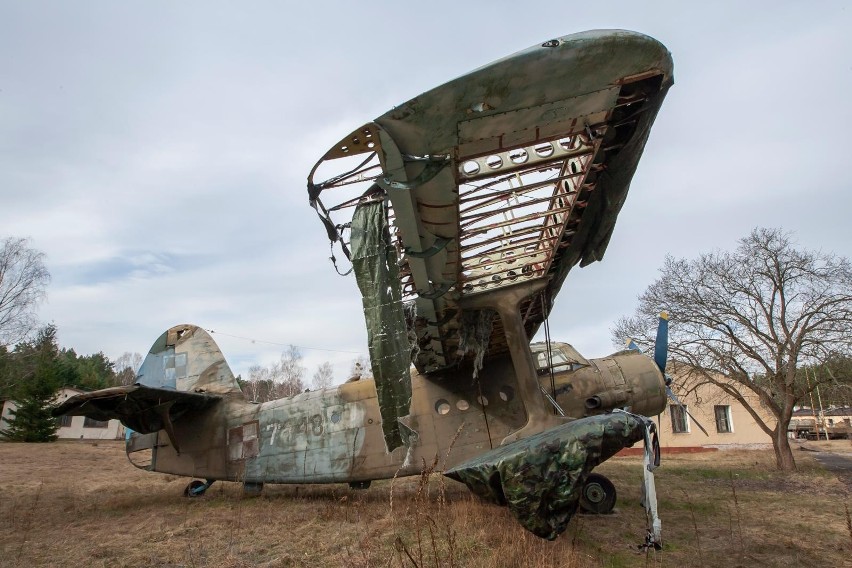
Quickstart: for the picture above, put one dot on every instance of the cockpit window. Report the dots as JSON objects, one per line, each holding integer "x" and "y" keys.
{"x": 563, "y": 356}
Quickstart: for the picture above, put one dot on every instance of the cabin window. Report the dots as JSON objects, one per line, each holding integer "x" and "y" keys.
{"x": 91, "y": 423}
{"x": 462, "y": 405}
{"x": 442, "y": 407}
{"x": 561, "y": 360}
{"x": 679, "y": 422}
{"x": 723, "y": 418}
{"x": 64, "y": 421}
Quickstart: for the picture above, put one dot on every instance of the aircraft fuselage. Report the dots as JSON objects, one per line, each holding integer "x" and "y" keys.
{"x": 335, "y": 434}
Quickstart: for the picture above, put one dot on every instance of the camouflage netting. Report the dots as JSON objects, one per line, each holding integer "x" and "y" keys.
{"x": 374, "y": 261}
{"x": 539, "y": 478}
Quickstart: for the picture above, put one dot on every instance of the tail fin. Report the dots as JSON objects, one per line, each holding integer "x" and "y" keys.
{"x": 185, "y": 358}
{"x": 184, "y": 372}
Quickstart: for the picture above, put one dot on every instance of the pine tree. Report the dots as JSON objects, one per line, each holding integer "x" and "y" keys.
{"x": 32, "y": 421}
{"x": 34, "y": 394}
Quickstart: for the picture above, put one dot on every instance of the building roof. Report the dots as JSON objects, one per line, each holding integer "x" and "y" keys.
{"x": 809, "y": 412}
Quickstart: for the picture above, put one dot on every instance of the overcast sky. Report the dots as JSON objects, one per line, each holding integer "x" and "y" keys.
{"x": 157, "y": 152}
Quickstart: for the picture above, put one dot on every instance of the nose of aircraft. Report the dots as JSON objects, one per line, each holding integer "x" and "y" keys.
{"x": 661, "y": 353}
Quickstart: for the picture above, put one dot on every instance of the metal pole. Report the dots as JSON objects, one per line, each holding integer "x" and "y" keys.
{"x": 821, "y": 413}
{"x": 813, "y": 408}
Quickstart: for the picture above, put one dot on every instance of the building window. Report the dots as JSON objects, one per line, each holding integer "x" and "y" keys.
{"x": 90, "y": 423}
{"x": 679, "y": 423}
{"x": 723, "y": 419}
{"x": 64, "y": 421}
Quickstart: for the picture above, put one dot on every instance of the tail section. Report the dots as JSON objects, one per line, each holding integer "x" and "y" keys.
{"x": 185, "y": 358}
{"x": 183, "y": 375}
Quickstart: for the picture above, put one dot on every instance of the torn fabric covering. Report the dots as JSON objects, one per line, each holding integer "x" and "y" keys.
{"x": 474, "y": 335}
{"x": 374, "y": 261}
{"x": 540, "y": 478}
{"x": 649, "y": 464}
{"x": 138, "y": 407}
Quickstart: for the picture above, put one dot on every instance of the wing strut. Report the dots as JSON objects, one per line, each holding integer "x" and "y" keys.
{"x": 506, "y": 301}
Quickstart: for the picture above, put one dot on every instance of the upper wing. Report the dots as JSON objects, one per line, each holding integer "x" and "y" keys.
{"x": 515, "y": 172}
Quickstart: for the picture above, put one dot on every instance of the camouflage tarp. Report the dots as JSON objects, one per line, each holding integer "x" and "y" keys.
{"x": 374, "y": 261}
{"x": 540, "y": 477}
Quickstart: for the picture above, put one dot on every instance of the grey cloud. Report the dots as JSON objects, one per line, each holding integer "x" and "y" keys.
{"x": 158, "y": 151}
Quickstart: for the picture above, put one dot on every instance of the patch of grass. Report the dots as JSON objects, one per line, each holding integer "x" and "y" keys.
{"x": 713, "y": 473}
{"x": 617, "y": 560}
{"x": 698, "y": 507}
{"x": 70, "y": 504}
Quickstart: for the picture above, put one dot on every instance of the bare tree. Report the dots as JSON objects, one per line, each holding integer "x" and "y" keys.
{"x": 324, "y": 376}
{"x": 126, "y": 368}
{"x": 288, "y": 373}
{"x": 834, "y": 376}
{"x": 283, "y": 378}
{"x": 258, "y": 386}
{"x": 748, "y": 321}
{"x": 23, "y": 279}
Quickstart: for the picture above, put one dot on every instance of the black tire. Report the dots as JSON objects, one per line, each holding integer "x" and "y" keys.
{"x": 190, "y": 490}
{"x": 598, "y": 495}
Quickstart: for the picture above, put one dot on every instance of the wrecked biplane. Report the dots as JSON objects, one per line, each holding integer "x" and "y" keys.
{"x": 461, "y": 211}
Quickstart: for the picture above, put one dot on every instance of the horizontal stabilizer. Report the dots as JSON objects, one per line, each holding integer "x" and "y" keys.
{"x": 140, "y": 408}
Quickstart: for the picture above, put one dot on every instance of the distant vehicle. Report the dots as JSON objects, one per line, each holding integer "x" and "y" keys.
{"x": 838, "y": 432}
{"x": 803, "y": 425}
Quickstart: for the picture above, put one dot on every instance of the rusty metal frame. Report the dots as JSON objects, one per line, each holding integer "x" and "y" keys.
{"x": 533, "y": 214}
{"x": 509, "y": 206}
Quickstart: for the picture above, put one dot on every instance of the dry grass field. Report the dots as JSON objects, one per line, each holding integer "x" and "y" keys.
{"x": 80, "y": 504}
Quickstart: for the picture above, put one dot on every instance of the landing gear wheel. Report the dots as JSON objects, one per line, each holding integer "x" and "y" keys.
{"x": 598, "y": 495}
{"x": 196, "y": 488}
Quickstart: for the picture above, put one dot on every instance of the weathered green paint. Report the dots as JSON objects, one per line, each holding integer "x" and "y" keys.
{"x": 374, "y": 262}
{"x": 540, "y": 478}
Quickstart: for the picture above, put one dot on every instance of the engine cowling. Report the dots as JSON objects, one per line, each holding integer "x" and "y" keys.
{"x": 585, "y": 387}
